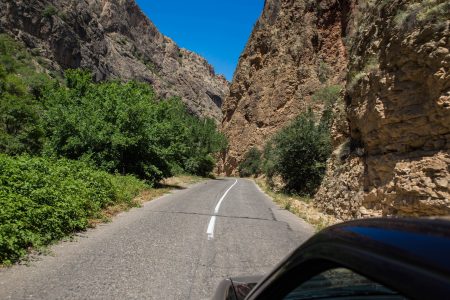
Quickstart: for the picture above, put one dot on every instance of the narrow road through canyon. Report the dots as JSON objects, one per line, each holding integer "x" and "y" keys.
{"x": 176, "y": 247}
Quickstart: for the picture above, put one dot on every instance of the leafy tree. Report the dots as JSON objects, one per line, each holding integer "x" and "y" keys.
{"x": 298, "y": 153}
{"x": 21, "y": 88}
{"x": 204, "y": 140}
{"x": 251, "y": 165}
{"x": 123, "y": 127}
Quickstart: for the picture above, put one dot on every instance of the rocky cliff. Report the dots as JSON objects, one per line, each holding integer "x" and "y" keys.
{"x": 396, "y": 160}
{"x": 296, "y": 47}
{"x": 391, "y": 131}
{"x": 114, "y": 39}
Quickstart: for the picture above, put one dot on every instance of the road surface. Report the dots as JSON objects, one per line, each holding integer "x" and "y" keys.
{"x": 176, "y": 247}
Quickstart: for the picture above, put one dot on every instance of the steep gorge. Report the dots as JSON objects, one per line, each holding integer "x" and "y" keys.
{"x": 115, "y": 40}
{"x": 391, "y": 131}
{"x": 295, "y": 48}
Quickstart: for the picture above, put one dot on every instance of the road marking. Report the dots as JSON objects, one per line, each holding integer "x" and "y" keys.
{"x": 216, "y": 210}
{"x": 212, "y": 222}
{"x": 210, "y": 231}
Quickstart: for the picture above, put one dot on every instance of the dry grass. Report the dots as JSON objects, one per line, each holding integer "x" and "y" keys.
{"x": 167, "y": 185}
{"x": 299, "y": 206}
{"x": 423, "y": 11}
{"x": 181, "y": 181}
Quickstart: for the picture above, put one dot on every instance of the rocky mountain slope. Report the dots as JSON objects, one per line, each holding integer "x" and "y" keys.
{"x": 391, "y": 131}
{"x": 397, "y": 160}
{"x": 296, "y": 47}
{"x": 114, "y": 39}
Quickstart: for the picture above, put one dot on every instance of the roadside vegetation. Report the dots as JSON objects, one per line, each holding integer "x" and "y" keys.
{"x": 123, "y": 127}
{"x": 300, "y": 206}
{"x": 297, "y": 154}
{"x": 251, "y": 165}
{"x": 74, "y": 152}
{"x": 293, "y": 162}
{"x": 42, "y": 200}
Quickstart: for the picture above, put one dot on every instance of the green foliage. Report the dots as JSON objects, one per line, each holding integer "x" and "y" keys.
{"x": 370, "y": 65}
{"x": 21, "y": 88}
{"x": 424, "y": 11}
{"x": 49, "y": 11}
{"x": 121, "y": 127}
{"x": 298, "y": 153}
{"x": 200, "y": 165}
{"x": 328, "y": 95}
{"x": 268, "y": 159}
{"x": 42, "y": 200}
{"x": 251, "y": 165}
{"x": 323, "y": 71}
{"x": 202, "y": 139}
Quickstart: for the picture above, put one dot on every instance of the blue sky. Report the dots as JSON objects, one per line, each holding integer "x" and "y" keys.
{"x": 216, "y": 29}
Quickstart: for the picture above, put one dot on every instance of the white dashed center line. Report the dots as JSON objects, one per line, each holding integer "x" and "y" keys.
{"x": 212, "y": 222}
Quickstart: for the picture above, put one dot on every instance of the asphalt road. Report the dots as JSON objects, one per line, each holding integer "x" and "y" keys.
{"x": 168, "y": 249}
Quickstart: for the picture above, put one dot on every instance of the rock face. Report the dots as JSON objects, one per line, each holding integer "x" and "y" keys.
{"x": 296, "y": 47}
{"x": 398, "y": 111}
{"x": 391, "y": 131}
{"x": 114, "y": 39}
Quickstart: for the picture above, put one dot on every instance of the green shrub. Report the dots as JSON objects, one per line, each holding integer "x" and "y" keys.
{"x": 268, "y": 159}
{"x": 200, "y": 165}
{"x": 422, "y": 12}
{"x": 328, "y": 95}
{"x": 126, "y": 188}
{"x": 298, "y": 153}
{"x": 201, "y": 140}
{"x": 324, "y": 71}
{"x": 21, "y": 88}
{"x": 251, "y": 165}
{"x": 49, "y": 11}
{"x": 43, "y": 200}
{"x": 122, "y": 127}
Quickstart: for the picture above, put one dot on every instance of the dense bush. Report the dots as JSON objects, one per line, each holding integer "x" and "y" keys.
{"x": 251, "y": 165}
{"x": 298, "y": 153}
{"x": 42, "y": 200}
{"x": 122, "y": 127}
{"x": 328, "y": 94}
{"x": 20, "y": 90}
{"x": 49, "y": 11}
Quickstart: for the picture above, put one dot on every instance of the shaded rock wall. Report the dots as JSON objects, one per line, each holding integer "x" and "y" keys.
{"x": 114, "y": 39}
{"x": 295, "y": 48}
{"x": 398, "y": 108}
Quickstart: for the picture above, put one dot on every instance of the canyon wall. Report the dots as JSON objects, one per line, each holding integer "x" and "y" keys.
{"x": 295, "y": 49}
{"x": 396, "y": 160}
{"x": 391, "y": 131}
{"x": 115, "y": 40}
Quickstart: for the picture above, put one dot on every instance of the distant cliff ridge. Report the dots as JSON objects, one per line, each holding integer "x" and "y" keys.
{"x": 391, "y": 129}
{"x": 114, "y": 39}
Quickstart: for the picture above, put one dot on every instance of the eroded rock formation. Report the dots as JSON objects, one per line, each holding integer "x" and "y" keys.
{"x": 114, "y": 39}
{"x": 398, "y": 108}
{"x": 295, "y": 48}
{"x": 391, "y": 131}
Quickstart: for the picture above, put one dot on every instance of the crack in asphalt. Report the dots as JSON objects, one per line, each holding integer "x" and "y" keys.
{"x": 210, "y": 215}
